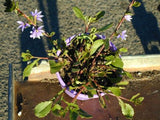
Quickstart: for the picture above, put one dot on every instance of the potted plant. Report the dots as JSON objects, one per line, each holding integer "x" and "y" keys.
{"x": 87, "y": 65}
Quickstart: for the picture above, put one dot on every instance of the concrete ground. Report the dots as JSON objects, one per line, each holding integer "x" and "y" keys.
{"x": 143, "y": 32}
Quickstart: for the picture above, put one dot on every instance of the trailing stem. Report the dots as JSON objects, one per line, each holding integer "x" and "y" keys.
{"x": 81, "y": 89}
{"x": 46, "y": 58}
{"x": 122, "y": 19}
{"x": 24, "y": 15}
{"x": 119, "y": 97}
{"x": 118, "y": 26}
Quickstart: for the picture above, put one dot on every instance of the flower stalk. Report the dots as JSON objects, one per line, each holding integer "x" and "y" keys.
{"x": 24, "y": 15}
{"x": 122, "y": 19}
{"x": 116, "y": 29}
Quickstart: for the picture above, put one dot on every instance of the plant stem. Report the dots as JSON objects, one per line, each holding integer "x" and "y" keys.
{"x": 24, "y": 15}
{"x": 118, "y": 26}
{"x": 93, "y": 62}
{"x": 86, "y": 27}
{"x": 42, "y": 58}
{"x": 69, "y": 58}
{"x": 113, "y": 94}
{"x": 120, "y": 97}
{"x": 82, "y": 88}
{"x": 122, "y": 19}
{"x": 46, "y": 58}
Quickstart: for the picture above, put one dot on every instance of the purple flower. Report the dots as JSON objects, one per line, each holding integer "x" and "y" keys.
{"x": 128, "y": 17}
{"x": 22, "y": 25}
{"x": 37, "y": 15}
{"x": 112, "y": 47}
{"x": 122, "y": 35}
{"x": 69, "y": 40}
{"x": 37, "y": 32}
{"x": 101, "y": 36}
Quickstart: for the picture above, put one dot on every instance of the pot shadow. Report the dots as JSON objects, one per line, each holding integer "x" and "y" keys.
{"x": 50, "y": 23}
{"x": 146, "y": 26}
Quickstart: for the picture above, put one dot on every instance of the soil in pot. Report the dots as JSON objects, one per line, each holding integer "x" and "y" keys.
{"x": 146, "y": 83}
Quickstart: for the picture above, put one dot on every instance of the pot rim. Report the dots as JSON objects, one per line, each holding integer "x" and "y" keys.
{"x": 73, "y": 93}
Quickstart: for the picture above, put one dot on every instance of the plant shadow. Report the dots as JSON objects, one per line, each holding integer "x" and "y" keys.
{"x": 146, "y": 26}
{"x": 37, "y": 47}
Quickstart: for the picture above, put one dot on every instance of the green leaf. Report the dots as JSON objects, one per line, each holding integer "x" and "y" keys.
{"x": 101, "y": 74}
{"x": 115, "y": 90}
{"x": 91, "y": 91}
{"x": 98, "y": 16}
{"x": 17, "y": 6}
{"x": 89, "y": 88}
{"x": 43, "y": 108}
{"x": 56, "y": 107}
{"x": 134, "y": 97}
{"x": 90, "y": 95}
{"x": 84, "y": 36}
{"x": 72, "y": 105}
{"x": 57, "y": 110}
{"x": 96, "y": 45}
{"x": 105, "y": 27}
{"x": 106, "y": 44}
{"x": 26, "y": 56}
{"x": 126, "y": 109}
{"x": 109, "y": 59}
{"x": 51, "y": 34}
{"x": 101, "y": 101}
{"x": 108, "y": 62}
{"x": 117, "y": 62}
{"x": 137, "y": 100}
{"x": 58, "y": 94}
{"x": 128, "y": 74}
{"x": 27, "y": 70}
{"x": 84, "y": 114}
{"x": 55, "y": 66}
{"x": 76, "y": 63}
{"x": 79, "y": 82}
{"x": 123, "y": 83}
{"x": 78, "y": 13}
{"x": 75, "y": 70}
{"x": 106, "y": 97}
{"x": 10, "y": 5}
{"x": 30, "y": 17}
{"x": 73, "y": 110}
{"x": 123, "y": 50}
{"x": 136, "y": 4}
{"x": 129, "y": 13}
{"x": 84, "y": 55}
{"x": 73, "y": 115}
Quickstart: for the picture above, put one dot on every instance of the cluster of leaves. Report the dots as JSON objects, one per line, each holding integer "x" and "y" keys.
{"x": 77, "y": 60}
{"x": 11, "y": 5}
{"x": 89, "y": 65}
{"x": 57, "y": 107}
{"x": 54, "y": 106}
{"x": 79, "y": 56}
